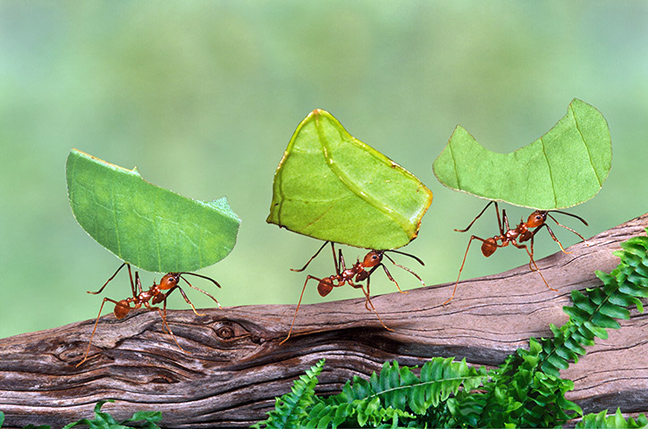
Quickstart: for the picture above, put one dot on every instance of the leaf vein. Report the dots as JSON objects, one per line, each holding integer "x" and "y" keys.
{"x": 401, "y": 220}
{"x": 587, "y": 148}
{"x": 553, "y": 184}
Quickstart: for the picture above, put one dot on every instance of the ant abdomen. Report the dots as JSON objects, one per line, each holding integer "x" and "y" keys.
{"x": 488, "y": 247}
{"x": 121, "y": 309}
{"x": 325, "y": 286}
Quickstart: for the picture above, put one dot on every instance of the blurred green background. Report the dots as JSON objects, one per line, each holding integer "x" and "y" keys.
{"x": 203, "y": 96}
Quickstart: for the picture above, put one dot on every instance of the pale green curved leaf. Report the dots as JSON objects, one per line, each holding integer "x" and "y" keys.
{"x": 333, "y": 187}
{"x": 565, "y": 167}
{"x": 145, "y": 225}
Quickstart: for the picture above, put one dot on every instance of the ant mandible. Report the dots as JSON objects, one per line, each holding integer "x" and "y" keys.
{"x": 154, "y": 294}
{"x": 519, "y": 234}
{"x": 358, "y": 272}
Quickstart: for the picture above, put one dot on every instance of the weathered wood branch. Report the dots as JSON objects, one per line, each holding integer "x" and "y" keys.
{"x": 237, "y": 367}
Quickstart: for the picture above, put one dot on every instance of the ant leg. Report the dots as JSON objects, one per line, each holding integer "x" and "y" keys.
{"x": 138, "y": 283}
{"x": 198, "y": 289}
{"x": 163, "y": 298}
{"x": 314, "y": 256}
{"x": 85, "y": 357}
{"x": 189, "y": 302}
{"x": 341, "y": 264}
{"x": 389, "y": 276}
{"x": 532, "y": 261}
{"x": 166, "y": 324}
{"x": 368, "y": 301}
{"x": 558, "y": 241}
{"x": 111, "y": 277}
{"x": 531, "y": 267}
{"x": 404, "y": 268}
{"x": 298, "y": 304}
{"x": 137, "y": 280}
{"x": 566, "y": 227}
{"x": 368, "y": 278}
{"x": 553, "y": 236}
{"x": 504, "y": 225}
{"x": 462, "y": 266}
{"x": 368, "y": 293}
{"x": 338, "y": 262}
{"x": 478, "y": 216}
{"x": 544, "y": 225}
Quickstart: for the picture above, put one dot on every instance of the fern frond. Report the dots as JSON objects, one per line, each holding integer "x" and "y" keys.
{"x": 521, "y": 395}
{"x": 598, "y": 309}
{"x": 291, "y": 408}
{"x": 396, "y": 396}
{"x": 602, "y": 421}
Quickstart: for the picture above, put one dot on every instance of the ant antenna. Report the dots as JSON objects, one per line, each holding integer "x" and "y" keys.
{"x": 416, "y": 258}
{"x": 568, "y": 214}
{"x": 201, "y": 276}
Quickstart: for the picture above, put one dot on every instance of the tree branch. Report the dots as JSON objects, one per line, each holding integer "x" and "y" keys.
{"x": 237, "y": 367}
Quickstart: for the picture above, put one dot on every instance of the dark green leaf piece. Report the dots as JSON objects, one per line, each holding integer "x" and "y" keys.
{"x": 565, "y": 167}
{"x": 145, "y": 225}
{"x": 333, "y": 187}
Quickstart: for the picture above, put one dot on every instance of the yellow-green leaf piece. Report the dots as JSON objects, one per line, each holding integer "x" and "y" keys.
{"x": 565, "y": 167}
{"x": 145, "y": 225}
{"x": 333, "y": 187}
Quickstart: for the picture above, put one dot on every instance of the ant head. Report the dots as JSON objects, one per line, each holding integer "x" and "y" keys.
{"x": 536, "y": 218}
{"x": 169, "y": 281}
{"x": 372, "y": 258}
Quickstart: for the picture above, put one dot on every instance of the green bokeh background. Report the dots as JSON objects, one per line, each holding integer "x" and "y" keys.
{"x": 203, "y": 96}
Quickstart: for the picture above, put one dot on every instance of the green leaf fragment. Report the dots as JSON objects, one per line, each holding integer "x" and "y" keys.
{"x": 333, "y": 187}
{"x": 145, "y": 225}
{"x": 565, "y": 167}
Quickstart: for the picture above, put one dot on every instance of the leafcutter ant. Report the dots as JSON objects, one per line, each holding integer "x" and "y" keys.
{"x": 353, "y": 276}
{"x": 522, "y": 233}
{"x": 155, "y": 294}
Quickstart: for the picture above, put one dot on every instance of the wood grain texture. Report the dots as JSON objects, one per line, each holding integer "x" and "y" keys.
{"x": 237, "y": 367}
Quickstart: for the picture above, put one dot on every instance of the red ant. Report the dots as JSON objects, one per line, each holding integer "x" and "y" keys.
{"x": 519, "y": 234}
{"x": 353, "y": 276}
{"x": 141, "y": 298}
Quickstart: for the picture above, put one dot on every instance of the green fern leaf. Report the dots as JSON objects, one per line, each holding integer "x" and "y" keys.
{"x": 574, "y": 346}
{"x": 596, "y": 330}
{"x": 290, "y": 409}
{"x": 604, "y": 321}
{"x": 602, "y": 421}
{"x": 611, "y": 310}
